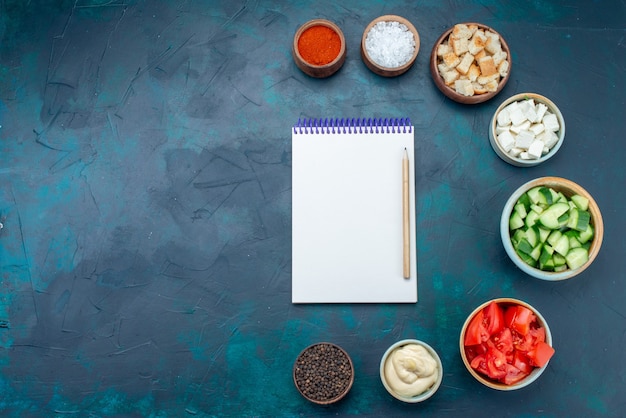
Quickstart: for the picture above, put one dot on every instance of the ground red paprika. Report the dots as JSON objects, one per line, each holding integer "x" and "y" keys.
{"x": 319, "y": 45}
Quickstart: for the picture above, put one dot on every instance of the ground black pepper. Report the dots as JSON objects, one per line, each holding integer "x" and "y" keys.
{"x": 323, "y": 372}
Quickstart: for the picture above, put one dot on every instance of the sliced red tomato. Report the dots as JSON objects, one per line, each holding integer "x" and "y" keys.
{"x": 493, "y": 318}
{"x": 506, "y": 344}
{"x": 479, "y": 363}
{"x": 513, "y": 375}
{"x": 504, "y": 341}
{"x": 522, "y": 362}
{"x": 496, "y": 363}
{"x": 476, "y": 332}
{"x": 519, "y": 318}
{"x": 540, "y": 354}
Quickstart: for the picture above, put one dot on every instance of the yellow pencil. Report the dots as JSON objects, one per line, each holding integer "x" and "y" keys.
{"x": 406, "y": 224}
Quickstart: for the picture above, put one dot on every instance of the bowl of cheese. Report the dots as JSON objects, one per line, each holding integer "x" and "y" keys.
{"x": 527, "y": 129}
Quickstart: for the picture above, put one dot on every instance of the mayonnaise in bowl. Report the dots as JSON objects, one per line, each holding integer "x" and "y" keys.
{"x": 411, "y": 370}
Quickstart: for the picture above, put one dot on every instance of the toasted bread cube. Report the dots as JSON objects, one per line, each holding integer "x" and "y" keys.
{"x": 472, "y": 28}
{"x": 451, "y": 59}
{"x": 460, "y": 46}
{"x": 479, "y": 88}
{"x": 461, "y": 31}
{"x": 491, "y": 85}
{"x": 499, "y": 56}
{"x": 449, "y": 77}
{"x": 492, "y": 45}
{"x": 484, "y": 80}
{"x": 464, "y": 87}
{"x": 487, "y": 67}
{"x": 473, "y": 73}
{"x": 465, "y": 63}
{"x": 480, "y": 54}
{"x": 503, "y": 68}
{"x": 443, "y": 49}
{"x": 477, "y": 43}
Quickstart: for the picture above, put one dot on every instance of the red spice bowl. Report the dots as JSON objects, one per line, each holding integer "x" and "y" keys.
{"x": 506, "y": 344}
{"x": 319, "y": 48}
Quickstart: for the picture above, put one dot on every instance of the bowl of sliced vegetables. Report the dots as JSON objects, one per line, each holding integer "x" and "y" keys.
{"x": 551, "y": 228}
{"x": 506, "y": 344}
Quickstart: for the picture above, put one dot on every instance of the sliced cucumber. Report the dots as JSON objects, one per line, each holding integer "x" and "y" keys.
{"x": 550, "y": 217}
{"x": 581, "y": 202}
{"x": 577, "y": 257}
{"x": 551, "y": 231}
{"x": 515, "y": 221}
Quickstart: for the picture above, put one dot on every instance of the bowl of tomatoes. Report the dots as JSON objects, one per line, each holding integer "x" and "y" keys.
{"x": 506, "y": 344}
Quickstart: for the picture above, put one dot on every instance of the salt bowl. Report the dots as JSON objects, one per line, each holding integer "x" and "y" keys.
{"x": 389, "y": 45}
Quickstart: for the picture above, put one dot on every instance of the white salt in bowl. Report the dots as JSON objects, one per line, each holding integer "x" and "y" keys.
{"x": 520, "y": 160}
{"x": 387, "y": 47}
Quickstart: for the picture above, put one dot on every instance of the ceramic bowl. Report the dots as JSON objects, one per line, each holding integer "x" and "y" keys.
{"x": 514, "y": 158}
{"x": 568, "y": 188}
{"x": 380, "y": 69}
{"x": 493, "y": 384}
{"x": 449, "y": 90}
{"x": 327, "y": 365}
{"x": 430, "y": 391}
{"x": 313, "y": 70}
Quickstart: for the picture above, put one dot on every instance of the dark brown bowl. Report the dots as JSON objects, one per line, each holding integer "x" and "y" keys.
{"x": 323, "y": 365}
{"x": 449, "y": 91}
{"x": 319, "y": 71}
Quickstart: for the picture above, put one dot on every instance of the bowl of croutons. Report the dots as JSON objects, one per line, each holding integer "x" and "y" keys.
{"x": 470, "y": 63}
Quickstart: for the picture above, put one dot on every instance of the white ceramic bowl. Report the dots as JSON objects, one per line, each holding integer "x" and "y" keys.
{"x": 568, "y": 188}
{"x": 517, "y": 161}
{"x": 533, "y": 376}
{"x": 429, "y": 392}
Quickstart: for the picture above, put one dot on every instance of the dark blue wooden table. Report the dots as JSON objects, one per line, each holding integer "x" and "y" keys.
{"x": 145, "y": 201}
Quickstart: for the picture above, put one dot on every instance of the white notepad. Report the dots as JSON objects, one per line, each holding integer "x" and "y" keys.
{"x": 347, "y": 211}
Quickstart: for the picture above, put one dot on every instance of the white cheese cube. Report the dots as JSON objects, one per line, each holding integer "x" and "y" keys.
{"x": 506, "y": 140}
{"x": 531, "y": 115}
{"x": 549, "y": 138}
{"x": 504, "y": 118}
{"x": 524, "y": 139}
{"x": 517, "y": 116}
{"x": 550, "y": 122}
{"x": 536, "y": 128}
{"x": 502, "y": 128}
{"x": 535, "y": 149}
{"x": 541, "y": 110}
{"x": 526, "y": 105}
{"x": 524, "y": 155}
{"x": 515, "y": 152}
{"x": 524, "y": 126}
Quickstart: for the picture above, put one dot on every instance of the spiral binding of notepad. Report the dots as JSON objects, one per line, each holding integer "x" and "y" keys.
{"x": 352, "y": 125}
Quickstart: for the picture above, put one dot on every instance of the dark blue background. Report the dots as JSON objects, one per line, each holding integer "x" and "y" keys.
{"x": 145, "y": 194}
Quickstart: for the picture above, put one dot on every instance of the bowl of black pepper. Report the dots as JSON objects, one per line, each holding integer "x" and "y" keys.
{"x": 323, "y": 373}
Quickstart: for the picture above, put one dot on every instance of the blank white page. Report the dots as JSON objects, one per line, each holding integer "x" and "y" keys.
{"x": 347, "y": 218}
